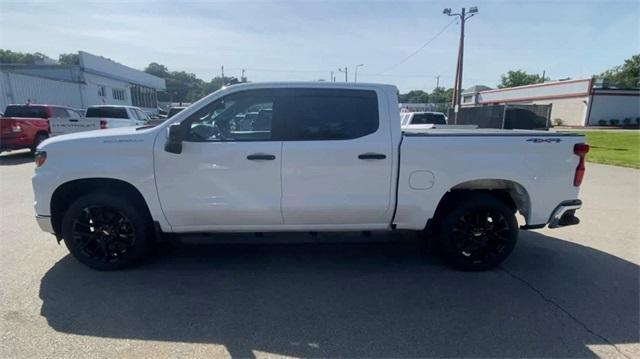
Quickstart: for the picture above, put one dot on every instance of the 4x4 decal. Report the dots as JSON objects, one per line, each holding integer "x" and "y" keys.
{"x": 544, "y": 140}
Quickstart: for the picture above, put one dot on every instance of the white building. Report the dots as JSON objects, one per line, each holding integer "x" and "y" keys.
{"x": 574, "y": 102}
{"x": 94, "y": 81}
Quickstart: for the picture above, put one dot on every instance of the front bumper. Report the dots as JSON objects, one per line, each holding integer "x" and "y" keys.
{"x": 44, "y": 222}
{"x": 565, "y": 214}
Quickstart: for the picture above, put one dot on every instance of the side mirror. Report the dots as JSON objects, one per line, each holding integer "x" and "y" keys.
{"x": 175, "y": 134}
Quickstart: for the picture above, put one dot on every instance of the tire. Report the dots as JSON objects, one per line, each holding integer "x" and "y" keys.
{"x": 477, "y": 232}
{"x": 39, "y": 138}
{"x": 106, "y": 232}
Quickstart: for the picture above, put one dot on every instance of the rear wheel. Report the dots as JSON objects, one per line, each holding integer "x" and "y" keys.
{"x": 106, "y": 232}
{"x": 39, "y": 138}
{"x": 478, "y": 232}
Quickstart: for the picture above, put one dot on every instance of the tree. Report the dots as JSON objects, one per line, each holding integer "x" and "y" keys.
{"x": 11, "y": 57}
{"x": 440, "y": 95}
{"x": 414, "y": 96}
{"x": 69, "y": 59}
{"x": 156, "y": 69}
{"x": 625, "y": 76}
{"x": 185, "y": 86}
{"x": 519, "y": 78}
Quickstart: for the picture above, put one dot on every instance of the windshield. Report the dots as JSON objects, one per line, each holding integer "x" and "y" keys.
{"x": 174, "y": 110}
{"x": 107, "y": 112}
{"x": 26, "y": 111}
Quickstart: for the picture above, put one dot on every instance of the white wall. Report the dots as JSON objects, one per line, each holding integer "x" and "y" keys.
{"x": 607, "y": 106}
{"x": 550, "y": 90}
{"x": 19, "y": 88}
{"x": 93, "y": 83}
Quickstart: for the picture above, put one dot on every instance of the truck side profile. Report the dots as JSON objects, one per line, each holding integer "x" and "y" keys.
{"x": 328, "y": 157}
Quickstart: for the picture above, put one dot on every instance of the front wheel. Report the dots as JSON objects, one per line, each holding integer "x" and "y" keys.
{"x": 38, "y": 140}
{"x": 478, "y": 232}
{"x": 105, "y": 231}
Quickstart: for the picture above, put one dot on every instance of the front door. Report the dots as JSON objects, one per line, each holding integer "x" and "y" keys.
{"x": 228, "y": 174}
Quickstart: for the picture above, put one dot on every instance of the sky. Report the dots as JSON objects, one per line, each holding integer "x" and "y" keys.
{"x": 306, "y": 40}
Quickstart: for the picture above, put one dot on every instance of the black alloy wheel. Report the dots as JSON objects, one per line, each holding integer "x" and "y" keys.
{"x": 478, "y": 232}
{"x": 105, "y": 231}
{"x": 103, "y": 234}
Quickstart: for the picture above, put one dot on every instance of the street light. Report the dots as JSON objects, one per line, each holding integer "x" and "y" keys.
{"x": 356, "y": 75}
{"x": 346, "y": 73}
{"x": 457, "y": 86}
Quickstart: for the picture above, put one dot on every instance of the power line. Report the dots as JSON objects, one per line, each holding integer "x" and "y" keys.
{"x": 419, "y": 49}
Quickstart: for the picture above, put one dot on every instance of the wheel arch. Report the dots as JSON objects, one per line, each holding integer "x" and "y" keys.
{"x": 510, "y": 192}
{"x": 69, "y": 191}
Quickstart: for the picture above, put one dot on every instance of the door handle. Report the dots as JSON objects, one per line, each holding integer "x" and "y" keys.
{"x": 261, "y": 156}
{"x": 372, "y": 156}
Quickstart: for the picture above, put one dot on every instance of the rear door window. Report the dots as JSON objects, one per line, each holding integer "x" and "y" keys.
{"x": 321, "y": 114}
{"x": 26, "y": 111}
{"x": 60, "y": 112}
{"x": 107, "y": 112}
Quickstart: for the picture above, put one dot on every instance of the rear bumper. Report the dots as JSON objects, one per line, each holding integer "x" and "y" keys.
{"x": 44, "y": 222}
{"x": 565, "y": 214}
{"x": 15, "y": 142}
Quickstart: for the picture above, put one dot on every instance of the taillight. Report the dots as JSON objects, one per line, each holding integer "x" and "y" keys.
{"x": 103, "y": 124}
{"x": 16, "y": 128}
{"x": 580, "y": 149}
{"x": 41, "y": 157}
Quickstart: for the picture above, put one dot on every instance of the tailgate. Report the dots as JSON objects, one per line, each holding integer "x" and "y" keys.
{"x": 63, "y": 126}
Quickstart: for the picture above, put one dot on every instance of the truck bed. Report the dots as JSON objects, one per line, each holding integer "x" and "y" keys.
{"x": 483, "y": 132}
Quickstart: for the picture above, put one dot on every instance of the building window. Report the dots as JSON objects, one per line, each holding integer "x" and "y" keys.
{"x": 102, "y": 91}
{"x": 118, "y": 94}
{"x": 143, "y": 97}
{"x": 467, "y": 99}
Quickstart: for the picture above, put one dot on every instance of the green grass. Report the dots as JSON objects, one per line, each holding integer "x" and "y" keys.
{"x": 620, "y": 148}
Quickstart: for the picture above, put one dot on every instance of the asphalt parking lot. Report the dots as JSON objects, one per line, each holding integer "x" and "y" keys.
{"x": 570, "y": 292}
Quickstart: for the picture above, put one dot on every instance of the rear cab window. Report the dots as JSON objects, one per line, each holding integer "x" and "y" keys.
{"x": 27, "y": 111}
{"x": 107, "y": 112}
{"x": 428, "y": 118}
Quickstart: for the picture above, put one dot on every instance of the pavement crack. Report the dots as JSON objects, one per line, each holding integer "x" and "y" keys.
{"x": 562, "y": 309}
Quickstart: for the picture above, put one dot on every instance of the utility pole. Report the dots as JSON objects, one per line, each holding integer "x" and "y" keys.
{"x": 346, "y": 73}
{"x": 331, "y": 78}
{"x": 438, "y": 81}
{"x": 457, "y": 87}
{"x": 356, "y": 74}
{"x": 222, "y": 70}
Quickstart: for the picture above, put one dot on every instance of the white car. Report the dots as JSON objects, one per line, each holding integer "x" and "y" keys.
{"x": 324, "y": 157}
{"x": 100, "y": 117}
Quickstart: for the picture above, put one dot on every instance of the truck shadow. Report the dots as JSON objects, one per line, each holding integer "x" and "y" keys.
{"x": 15, "y": 158}
{"x": 552, "y": 298}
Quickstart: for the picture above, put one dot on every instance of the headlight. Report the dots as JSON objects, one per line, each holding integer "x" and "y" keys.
{"x": 41, "y": 157}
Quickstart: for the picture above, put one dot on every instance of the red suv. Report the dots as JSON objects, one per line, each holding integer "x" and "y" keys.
{"x": 25, "y": 126}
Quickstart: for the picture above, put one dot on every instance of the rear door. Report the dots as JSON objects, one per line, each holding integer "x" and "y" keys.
{"x": 336, "y": 159}
{"x": 74, "y": 122}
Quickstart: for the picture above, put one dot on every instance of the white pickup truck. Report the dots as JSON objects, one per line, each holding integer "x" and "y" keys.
{"x": 100, "y": 117}
{"x": 329, "y": 157}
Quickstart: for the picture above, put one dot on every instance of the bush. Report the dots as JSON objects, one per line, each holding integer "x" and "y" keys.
{"x": 614, "y": 122}
{"x": 558, "y": 122}
{"x": 626, "y": 121}
{"x": 637, "y": 120}
{"x": 602, "y": 122}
